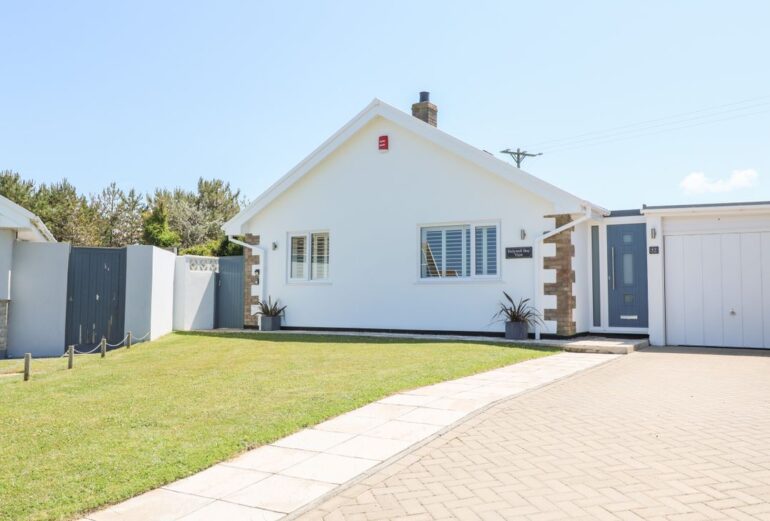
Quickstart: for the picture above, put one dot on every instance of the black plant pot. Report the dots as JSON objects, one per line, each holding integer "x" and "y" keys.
{"x": 269, "y": 323}
{"x": 516, "y": 330}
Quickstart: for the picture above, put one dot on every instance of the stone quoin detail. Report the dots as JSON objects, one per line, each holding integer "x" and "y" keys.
{"x": 561, "y": 262}
{"x": 250, "y": 259}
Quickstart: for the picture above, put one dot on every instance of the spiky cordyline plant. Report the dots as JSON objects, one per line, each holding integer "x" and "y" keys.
{"x": 520, "y": 311}
{"x": 270, "y": 308}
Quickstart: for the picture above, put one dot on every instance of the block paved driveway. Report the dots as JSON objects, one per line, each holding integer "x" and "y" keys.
{"x": 674, "y": 434}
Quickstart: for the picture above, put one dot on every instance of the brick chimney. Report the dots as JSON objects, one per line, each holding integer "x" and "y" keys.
{"x": 425, "y": 110}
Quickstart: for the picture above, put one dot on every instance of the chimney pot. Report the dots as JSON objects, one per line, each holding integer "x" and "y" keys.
{"x": 425, "y": 110}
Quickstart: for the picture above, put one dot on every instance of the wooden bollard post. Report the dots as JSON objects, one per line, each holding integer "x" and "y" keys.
{"x": 70, "y": 357}
{"x": 128, "y": 340}
{"x": 27, "y": 365}
{"x": 104, "y": 347}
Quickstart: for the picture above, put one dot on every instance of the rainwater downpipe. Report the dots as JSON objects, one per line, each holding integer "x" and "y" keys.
{"x": 539, "y": 262}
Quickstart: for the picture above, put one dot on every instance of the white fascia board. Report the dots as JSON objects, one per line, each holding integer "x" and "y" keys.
{"x": 563, "y": 201}
{"x": 708, "y": 210}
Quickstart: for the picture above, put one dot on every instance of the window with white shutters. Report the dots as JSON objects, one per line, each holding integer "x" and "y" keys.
{"x": 448, "y": 252}
{"x": 307, "y": 265}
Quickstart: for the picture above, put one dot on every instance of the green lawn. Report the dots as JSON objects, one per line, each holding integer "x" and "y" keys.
{"x": 72, "y": 441}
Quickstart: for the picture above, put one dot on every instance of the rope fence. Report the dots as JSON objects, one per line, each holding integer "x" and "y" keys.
{"x": 127, "y": 341}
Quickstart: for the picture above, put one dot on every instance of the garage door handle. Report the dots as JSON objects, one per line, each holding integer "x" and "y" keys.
{"x": 612, "y": 252}
{"x": 732, "y": 312}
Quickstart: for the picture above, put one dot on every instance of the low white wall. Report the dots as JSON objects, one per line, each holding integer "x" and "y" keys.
{"x": 149, "y": 291}
{"x": 138, "y": 289}
{"x": 37, "y": 314}
{"x": 162, "y": 317}
{"x": 6, "y": 255}
{"x": 194, "y": 293}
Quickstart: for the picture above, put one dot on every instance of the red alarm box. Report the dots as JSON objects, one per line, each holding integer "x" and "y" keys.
{"x": 382, "y": 143}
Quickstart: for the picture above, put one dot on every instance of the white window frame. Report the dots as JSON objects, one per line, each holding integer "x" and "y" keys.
{"x": 307, "y": 279}
{"x": 473, "y": 277}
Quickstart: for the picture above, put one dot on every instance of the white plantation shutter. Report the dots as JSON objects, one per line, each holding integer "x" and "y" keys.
{"x": 298, "y": 256}
{"x": 319, "y": 264}
{"x": 446, "y": 251}
{"x": 486, "y": 250}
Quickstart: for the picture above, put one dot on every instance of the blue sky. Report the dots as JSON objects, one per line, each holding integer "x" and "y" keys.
{"x": 159, "y": 93}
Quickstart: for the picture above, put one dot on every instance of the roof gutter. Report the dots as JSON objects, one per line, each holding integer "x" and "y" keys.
{"x": 538, "y": 254}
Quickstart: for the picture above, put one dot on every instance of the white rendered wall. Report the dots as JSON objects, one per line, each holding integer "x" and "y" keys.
{"x": 37, "y": 315}
{"x": 7, "y": 238}
{"x": 149, "y": 291}
{"x": 162, "y": 318}
{"x": 194, "y": 296}
{"x": 373, "y": 204}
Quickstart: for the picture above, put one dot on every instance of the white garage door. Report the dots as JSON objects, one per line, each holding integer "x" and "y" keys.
{"x": 718, "y": 289}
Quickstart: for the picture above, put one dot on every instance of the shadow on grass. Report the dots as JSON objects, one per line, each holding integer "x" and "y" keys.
{"x": 331, "y": 338}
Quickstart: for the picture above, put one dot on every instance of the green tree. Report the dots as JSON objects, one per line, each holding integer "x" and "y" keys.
{"x": 67, "y": 214}
{"x": 106, "y": 204}
{"x": 130, "y": 224}
{"x": 16, "y": 189}
{"x": 156, "y": 228}
{"x": 197, "y": 217}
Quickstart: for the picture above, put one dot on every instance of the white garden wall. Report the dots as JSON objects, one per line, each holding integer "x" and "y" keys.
{"x": 149, "y": 291}
{"x": 194, "y": 292}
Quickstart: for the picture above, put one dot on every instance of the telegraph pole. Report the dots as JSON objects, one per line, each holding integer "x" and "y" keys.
{"x": 519, "y": 155}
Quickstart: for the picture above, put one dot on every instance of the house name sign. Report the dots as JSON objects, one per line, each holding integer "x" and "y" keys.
{"x": 518, "y": 252}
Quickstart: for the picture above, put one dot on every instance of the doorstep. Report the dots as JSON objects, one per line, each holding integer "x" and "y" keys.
{"x": 299, "y": 471}
{"x": 583, "y": 344}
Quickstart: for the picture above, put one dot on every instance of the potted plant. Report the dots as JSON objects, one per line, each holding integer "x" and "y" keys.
{"x": 518, "y": 317}
{"x": 269, "y": 314}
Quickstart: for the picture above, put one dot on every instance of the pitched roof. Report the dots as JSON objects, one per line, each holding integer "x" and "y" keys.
{"x": 564, "y": 201}
{"x": 27, "y": 224}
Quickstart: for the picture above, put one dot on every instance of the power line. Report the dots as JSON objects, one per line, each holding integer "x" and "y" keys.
{"x": 672, "y": 124}
{"x": 674, "y": 119}
{"x": 519, "y": 155}
{"x": 613, "y": 139}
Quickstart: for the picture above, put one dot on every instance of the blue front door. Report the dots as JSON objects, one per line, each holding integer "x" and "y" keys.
{"x": 627, "y": 275}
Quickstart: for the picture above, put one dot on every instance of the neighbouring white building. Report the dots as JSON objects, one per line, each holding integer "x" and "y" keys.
{"x": 392, "y": 224}
{"x": 17, "y": 224}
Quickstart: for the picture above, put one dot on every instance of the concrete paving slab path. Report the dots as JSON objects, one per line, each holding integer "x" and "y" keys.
{"x": 279, "y": 479}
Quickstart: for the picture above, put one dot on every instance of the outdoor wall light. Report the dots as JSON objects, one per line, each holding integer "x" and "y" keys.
{"x": 523, "y": 234}
{"x": 275, "y": 245}
{"x": 653, "y": 233}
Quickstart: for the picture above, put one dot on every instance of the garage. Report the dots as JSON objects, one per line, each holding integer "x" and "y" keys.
{"x": 709, "y": 274}
{"x": 718, "y": 289}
